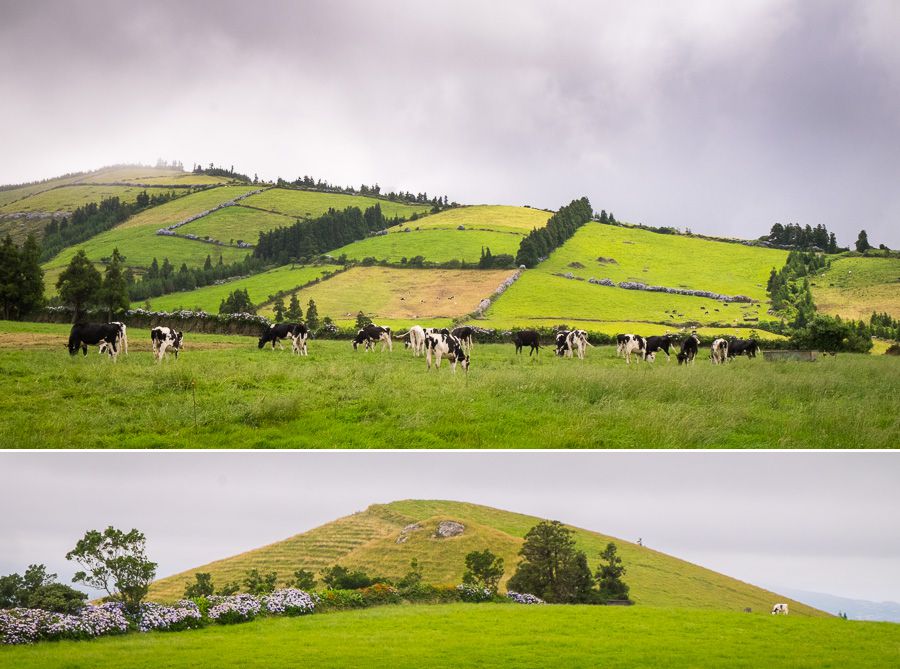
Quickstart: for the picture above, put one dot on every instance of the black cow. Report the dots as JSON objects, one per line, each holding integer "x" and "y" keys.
{"x": 524, "y": 338}
{"x": 465, "y": 334}
{"x": 278, "y": 331}
{"x": 105, "y": 335}
{"x": 689, "y": 348}
{"x": 371, "y": 334}
{"x": 655, "y": 344}
{"x": 738, "y": 347}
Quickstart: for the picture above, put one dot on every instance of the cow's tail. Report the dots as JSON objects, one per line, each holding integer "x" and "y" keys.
{"x": 400, "y": 336}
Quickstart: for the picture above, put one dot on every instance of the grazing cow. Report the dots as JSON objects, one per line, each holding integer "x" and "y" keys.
{"x": 577, "y": 342}
{"x": 634, "y": 344}
{"x": 104, "y": 335}
{"x": 620, "y": 344}
{"x": 780, "y": 610}
{"x": 299, "y": 337}
{"x": 689, "y": 348}
{"x": 442, "y": 345}
{"x": 562, "y": 343}
{"x": 121, "y": 341}
{"x": 162, "y": 339}
{"x": 719, "y": 351}
{"x": 466, "y": 336}
{"x": 524, "y": 338}
{"x": 655, "y": 344}
{"x": 738, "y": 347}
{"x": 278, "y": 331}
{"x": 415, "y": 339}
{"x": 370, "y": 335}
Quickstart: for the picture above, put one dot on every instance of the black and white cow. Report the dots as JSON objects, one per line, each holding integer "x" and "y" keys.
{"x": 278, "y": 331}
{"x": 780, "y": 610}
{"x": 163, "y": 339}
{"x": 620, "y": 344}
{"x": 719, "y": 351}
{"x": 738, "y": 347}
{"x": 577, "y": 343}
{"x": 121, "y": 341}
{"x": 562, "y": 343}
{"x": 370, "y": 335}
{"x": 299, "y": 337}
{"x": 440, "y": 345}
{"x": 466, "y": 336}
{"x": 104, "y": 335}
{"x": 633, "y": 344}
{"x": 689, "y": 348}
{"x": 656, "y": 344}
{"x": 414, "y": 338}
{"x": 524, "y": 338}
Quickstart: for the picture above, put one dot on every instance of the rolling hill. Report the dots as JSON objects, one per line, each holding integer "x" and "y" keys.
{"x": 385, "y": 537}
{"x": 854, "y": 287}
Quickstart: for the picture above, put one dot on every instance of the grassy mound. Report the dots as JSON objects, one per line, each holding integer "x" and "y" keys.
{"x": 855, "y": 287}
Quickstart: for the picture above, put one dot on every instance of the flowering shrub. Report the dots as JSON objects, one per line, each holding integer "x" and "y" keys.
{"x": 19, "y": 626}
{"x": 233, "y": 609}
{"x": 184, "y": 615}
{"x": 290, "y": 601}
{"x": 381, "y": 593}
{"x": 520, "y": 598}
{"x": 342, "y": 599}
{"x": 471, "y": 593}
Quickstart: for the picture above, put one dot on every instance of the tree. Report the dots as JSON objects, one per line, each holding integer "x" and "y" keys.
{"x": 362, "y": 320}
{"x": 79, "y": 284}
{"x": 229, "y": 589}
{"x": 483, "y": 570}
{"x": 294, "y": 312}
{"x": 341, "y": 578}
{"x": 862, "y": 242}
{"x": 825, "y": 333}
{"x": 303, "y": 580}
{"x": 609, "y": 575}
{"x": 260, "y": 584}
{"x": 278, "y": 308}
{"x": 31, "y": 277}
{"x": 312, "y": 316}
{"x": 115, "y": 562}
{"x": 201, "y": 587}
{"x": 39, "y": 590}
{"x": 10, "y": 262}
{"x": 113, "y": 293}
{"x": 237, "y": 302}
{"x": 551, "y": 567}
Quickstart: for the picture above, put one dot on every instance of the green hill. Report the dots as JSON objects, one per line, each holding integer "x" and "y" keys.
{"x": 854, "y": 287}
{"x": 385, "y": 537}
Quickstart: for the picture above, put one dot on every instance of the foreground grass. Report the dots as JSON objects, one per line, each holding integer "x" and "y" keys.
{"x": 337, "y": 398}
{"x": 491, "y": 635}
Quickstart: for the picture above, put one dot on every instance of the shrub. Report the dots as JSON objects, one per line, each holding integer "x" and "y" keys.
{"x": 290, "y": 602}
{"x": 341, "y": 599}
{"x": 473, "y": 593}
{"x": 233, "y": 609}
{"x": 184, "y": 615}
{"x": 380, "y": 593}
{"x": 524, "y": 598}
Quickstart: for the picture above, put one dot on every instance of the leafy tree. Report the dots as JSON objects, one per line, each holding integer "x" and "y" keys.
{"x": 341, "y": 578}
{"x": 57, "y": 597}
{"x": 303, "y": 580}
{"x": 862, "y": 242}
{"x": 79, "y": 284}
{"x": 113, "y": 293}
{"x": 278, "y": 308}
{"x": 39, "y": 590}
{"x": 201, "y": 587}
{"x": 294, "y": 312}
{"x": 115, "y": 562}
{"x": 551, "y": 567}
{"x": 483, "y": 569}
{"x": 312, "y": 316}
{"x": 260, "y": 584}
{"x": 609, "y": 575}
{"x": 237, "y": 302}
{"x": 824, "y": 333}
{"x": 362, "y": 320}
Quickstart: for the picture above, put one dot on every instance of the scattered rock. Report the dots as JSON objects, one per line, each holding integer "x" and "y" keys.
{"x": 576, "y": 265}
{"x": 449, "y": 528}
{"x": 405, "y": 532}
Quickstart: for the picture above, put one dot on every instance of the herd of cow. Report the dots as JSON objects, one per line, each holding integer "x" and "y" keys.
{"x": 433, "y": 343}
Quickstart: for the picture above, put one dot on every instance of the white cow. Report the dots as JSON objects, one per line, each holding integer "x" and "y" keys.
{"x": 416, "y": 336}
{"x": 164, "y": 338}
{"x": 298, "y": 342}
{"x": 780, "y": 610}
{"x": 633, "y": 344}
{"x": 719, "y": 351}
{"x": 577, "y": 342}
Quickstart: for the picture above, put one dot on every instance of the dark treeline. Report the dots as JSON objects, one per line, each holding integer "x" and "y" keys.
{"x": 310, "y": 183}
{"x": 21, "y": 278}
{"x": 214, "y": 171}
{"x": 561, "y": 226}
{"x": 789, "y": 286}
{"x": 805, "y": 237}
{"x": 884, "y": 326}
{"x": 93, "y": 218}
{"x": 306, "y": 239}
{"x": 491, "y": 261}
{"x": 163, "y": 279}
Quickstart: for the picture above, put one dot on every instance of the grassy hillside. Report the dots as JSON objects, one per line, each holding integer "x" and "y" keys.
{"x": 309, "y": 204}
{"x": 65, "y": 200}
{"x": 246, "y": 398}
{"x": 369, "y": 539}
{"x": 259, "y": 287}
{"x": 235, "y": 223}
{"x": 855, "y": 287}
{"x": 392, "y": 295}
{"x": 438, "y": 238}
{"x": 491, "y": 635}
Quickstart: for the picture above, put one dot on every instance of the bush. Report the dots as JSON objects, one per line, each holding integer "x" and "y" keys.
{"x": 473, "y": 593}
{"x": 233, "y": 609}
{"x": 341, "y": 599}
{"x": 184, "y": 615}
{"x": 524, "y": 598}
{"x": 380, "y": 593}
{"x": 290, "y": 602}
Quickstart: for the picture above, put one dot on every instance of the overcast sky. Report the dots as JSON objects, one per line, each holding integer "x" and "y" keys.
{"x": 724, "y": 117}
{"x": 823, "y": 522}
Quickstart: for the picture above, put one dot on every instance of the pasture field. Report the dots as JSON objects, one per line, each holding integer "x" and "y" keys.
{"x": 621, "y": 327}
{"x": 490, "y": 635}
{"x": 854, "y": 287}
{"x": 499, "y": 218}
{"x": 435, "y": 245}
{"x": 401, "y": 296}
{"x": 69, "y": 198}
{"x": 247, "y": 398}
{"x": 310, "y": 204}
{"x": 149, "y": 175}
{"x": 368, "y": 540}
{"x": 259, "y": 287}
{"x": 234, "y": 223}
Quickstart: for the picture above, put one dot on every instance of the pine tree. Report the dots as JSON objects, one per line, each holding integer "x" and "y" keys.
{"x": 551, "y": 567}
{"x": 113, "y": 294}
{"x": 312, "y": 316}
{"x": 278, "y": 308}
{"x": 862, "y": 242}
{"x": 31, "y": 277}
{"x": 10, "y": 264}
{"x": 609, "y": 575}
{"x": 79, "y": 284}
{"x": 294, "y": 312}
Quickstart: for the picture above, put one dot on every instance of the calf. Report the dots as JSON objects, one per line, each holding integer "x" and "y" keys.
{"x": 634, "y": 344}
{"x": 689, "y": 348}
{"x": 278, "y": 331}
{"x": 162, "y": 339}
{"x": 577, "y": 343}
{"x": 298, "y": 339}
{"x": 780, "y": 610}
{"x": 442, "y": 345}
{"x": 371, "y": 334}
{"x": 655, "y": 344}
{"x": 719, "y": 351}
{"x": 524, "y": 338}
{"x": 104, "y": 335}
{"x": 121, "y": 340}
{"x": 738, "y": 347}
{"x": 465, "y": 334}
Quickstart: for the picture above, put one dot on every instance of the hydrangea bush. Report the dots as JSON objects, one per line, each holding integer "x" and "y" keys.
{"x": 184, "y": 615}
{"x": 471, "y": 593}
{"x": 290, "y": 602}
{"x": 524, "y": 598}
{"x": 18, "y": 626}
{"x": 233, "y": 609}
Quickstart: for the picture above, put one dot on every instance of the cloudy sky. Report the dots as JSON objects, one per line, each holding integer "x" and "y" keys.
{"x": 723, "y": 117}
{"x": 823, "y": 522}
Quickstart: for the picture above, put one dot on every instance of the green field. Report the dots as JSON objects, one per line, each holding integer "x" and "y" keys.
{"x": 499, "y": 218}
{"x": 259, "y": 286}
{"x": 149, "y": 175}
{"x": 490, "y": 635}
{"x": 621, "y": 327}
{"x": 235, "y": 223}
{"x": 247, "y": 398}
{"x": 310, "y": 204}
{"x": 69, "y": 198}
{"x": 855, "y": 287}
{"x": 368, "y": 540}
